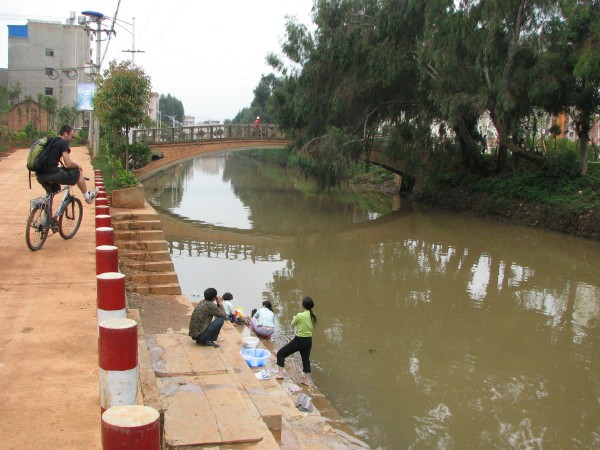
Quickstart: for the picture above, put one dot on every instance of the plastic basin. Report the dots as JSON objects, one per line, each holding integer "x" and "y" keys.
{"x": 255, "y": 357}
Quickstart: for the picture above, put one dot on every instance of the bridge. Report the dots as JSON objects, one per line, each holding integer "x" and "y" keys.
{"x": 182, "y": 143}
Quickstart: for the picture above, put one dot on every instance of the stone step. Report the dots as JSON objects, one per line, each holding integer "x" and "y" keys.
{"x": 153, "y": 278}
{"x": 143, "y": 245}
{"x": 158, "y": 289}
{"x": 136, "y": 215}
{"x": 139, "y": 235}
{"x": 137, "y": 225}
{"x": 159, "y": 255}
{"x": 150, "y": 266}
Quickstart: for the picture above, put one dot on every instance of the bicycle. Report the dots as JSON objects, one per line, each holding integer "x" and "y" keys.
{"x": 41, "y": 222}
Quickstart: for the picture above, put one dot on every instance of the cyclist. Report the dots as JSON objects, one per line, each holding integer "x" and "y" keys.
{"x": 71, "y": 172}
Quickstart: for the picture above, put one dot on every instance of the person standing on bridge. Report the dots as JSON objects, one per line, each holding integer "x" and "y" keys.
{"x": 257, "y": 126}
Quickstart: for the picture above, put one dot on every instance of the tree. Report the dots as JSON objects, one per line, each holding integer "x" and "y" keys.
{"x": 50, "y": 105}
{"x": 122, "y": 97}
{"x": 66, "y": 115}
{"x": 573, "y": 43}
{"x": 171, "y": 106}
{"x": 262, "y": 104}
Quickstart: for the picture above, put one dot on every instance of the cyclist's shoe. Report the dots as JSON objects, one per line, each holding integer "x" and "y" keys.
{"x": 90, "y": 196}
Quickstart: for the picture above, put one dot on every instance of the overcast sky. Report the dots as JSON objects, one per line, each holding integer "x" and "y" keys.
{"x": 208, "y": 54}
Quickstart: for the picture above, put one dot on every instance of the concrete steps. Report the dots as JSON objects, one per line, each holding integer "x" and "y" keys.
{"x": 157, "y": 289}
{"x": 150, "y": 266}
{"x": 145, "y": 258}
{"x": 153, "y": 278}
{"x": 142, "y": 235}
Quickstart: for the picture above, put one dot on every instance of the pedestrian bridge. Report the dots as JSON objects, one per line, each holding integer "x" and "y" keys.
{"x": 206, "y": 133}
{"x": 177, "y": 144}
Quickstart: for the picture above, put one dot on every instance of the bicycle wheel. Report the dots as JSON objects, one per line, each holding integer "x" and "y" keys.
{"x": 37, "y": 228}
{"x": 70, "y": 219}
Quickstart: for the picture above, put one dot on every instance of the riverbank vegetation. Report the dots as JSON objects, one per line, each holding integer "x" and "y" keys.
{"x": 470, "y": 94}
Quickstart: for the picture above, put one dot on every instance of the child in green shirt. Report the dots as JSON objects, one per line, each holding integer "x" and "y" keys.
{"x": 304, "y": 322}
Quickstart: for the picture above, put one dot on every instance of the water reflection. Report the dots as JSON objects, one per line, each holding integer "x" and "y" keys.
{"x": 435, "y": 329}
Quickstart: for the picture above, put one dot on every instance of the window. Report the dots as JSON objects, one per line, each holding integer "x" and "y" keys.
{"x": 49, "y": 91}
{"x": 49, "y": 52}
{"x": 49, "y": 71}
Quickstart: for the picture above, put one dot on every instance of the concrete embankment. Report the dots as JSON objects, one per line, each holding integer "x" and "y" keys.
{"x": 206, "y": 396}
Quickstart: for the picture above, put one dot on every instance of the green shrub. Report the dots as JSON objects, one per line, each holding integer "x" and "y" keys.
{"x": 564, "y": 163}
{"x": 115, "y": 175}
{"x": 139, "y": 155}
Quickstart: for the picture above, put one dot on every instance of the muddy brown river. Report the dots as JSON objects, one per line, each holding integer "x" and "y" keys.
{"x": 436, "y": 330}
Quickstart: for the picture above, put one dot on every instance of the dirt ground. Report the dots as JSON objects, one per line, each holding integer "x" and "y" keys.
{"x": 159, "y": 313}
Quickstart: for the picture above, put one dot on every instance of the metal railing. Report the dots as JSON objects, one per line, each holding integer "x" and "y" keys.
{"x": 207, "y": 133}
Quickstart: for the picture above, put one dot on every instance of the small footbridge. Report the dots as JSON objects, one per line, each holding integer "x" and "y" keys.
{"x": 177, "y": 144}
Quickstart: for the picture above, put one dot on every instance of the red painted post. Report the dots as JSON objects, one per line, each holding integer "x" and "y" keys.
{"x": 101, "y": 202}
{"x": 103, "y": 220}
{"x": 118, "y": 360}
{"x": 110, "y": 289}
{"x": 101, "y": 193}
{"x": 97, "y": 172}
{"x": 107, "y": 259}
{"x": 105, "y": 236}
{"x": 131, "y": 427}
{"x": 102, "y": 209}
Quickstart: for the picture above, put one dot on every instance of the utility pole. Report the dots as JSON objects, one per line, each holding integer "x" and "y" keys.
{"x": 133, "y": 51}
{"x": 94, "y": 130}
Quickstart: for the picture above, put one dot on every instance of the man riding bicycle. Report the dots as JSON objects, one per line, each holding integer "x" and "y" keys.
{"x": 71, "y": 172}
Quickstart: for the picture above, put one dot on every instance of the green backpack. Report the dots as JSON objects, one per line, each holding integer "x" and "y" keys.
{"x": 37, "y": 159}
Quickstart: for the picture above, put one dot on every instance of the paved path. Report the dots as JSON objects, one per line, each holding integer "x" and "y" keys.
{"x": 48, "y": 341}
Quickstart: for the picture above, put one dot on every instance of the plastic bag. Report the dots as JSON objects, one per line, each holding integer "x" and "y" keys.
{"x": 304, "y": 403}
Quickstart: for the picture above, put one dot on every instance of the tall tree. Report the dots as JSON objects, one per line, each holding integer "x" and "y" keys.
{"x": 171, "y": 107}
{"x": 573, "y": 42}
{"x": 122, "y": 97}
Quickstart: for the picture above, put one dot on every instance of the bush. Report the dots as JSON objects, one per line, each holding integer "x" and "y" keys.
{"x": 115, "y": 175}
{"x": 564, "y": 162}
{"x": 139, "y": 155}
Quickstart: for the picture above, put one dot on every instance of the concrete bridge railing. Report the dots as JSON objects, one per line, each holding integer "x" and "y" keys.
{"x": 217, "y": 132}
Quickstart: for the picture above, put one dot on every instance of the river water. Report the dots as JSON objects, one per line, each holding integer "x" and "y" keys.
{"x": 435, "y": 329}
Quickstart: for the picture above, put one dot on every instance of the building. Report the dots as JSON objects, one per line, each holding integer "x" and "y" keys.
{"x": 189, "y": 121}
{"x": 49, "y": 58}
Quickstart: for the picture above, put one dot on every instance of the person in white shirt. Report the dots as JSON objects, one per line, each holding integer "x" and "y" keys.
{"x": 263, "y": 321}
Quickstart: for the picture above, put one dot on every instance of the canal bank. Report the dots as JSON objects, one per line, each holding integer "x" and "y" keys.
{"x": 468, "y": 305}
{"x": 210, "y": 396}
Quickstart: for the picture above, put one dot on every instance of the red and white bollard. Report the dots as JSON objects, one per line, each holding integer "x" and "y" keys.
{"x": 103, "y": 220}
{"x": 101, "y": 193}
{"x": 131, "y": 427}
{"x": 102, "y": 209}
{"x": 101, "y": 202}
{"x": 105, "y": 236}
{"x": 117, "y": 356}
{"x": 107, "y": 259}
{"x": 110, "y": 289}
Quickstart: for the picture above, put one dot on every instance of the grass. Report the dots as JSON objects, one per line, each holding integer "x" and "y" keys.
{"x": 580, "y": 193}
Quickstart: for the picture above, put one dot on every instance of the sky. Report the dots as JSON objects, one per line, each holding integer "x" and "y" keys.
{"x": 208, "y": 54}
